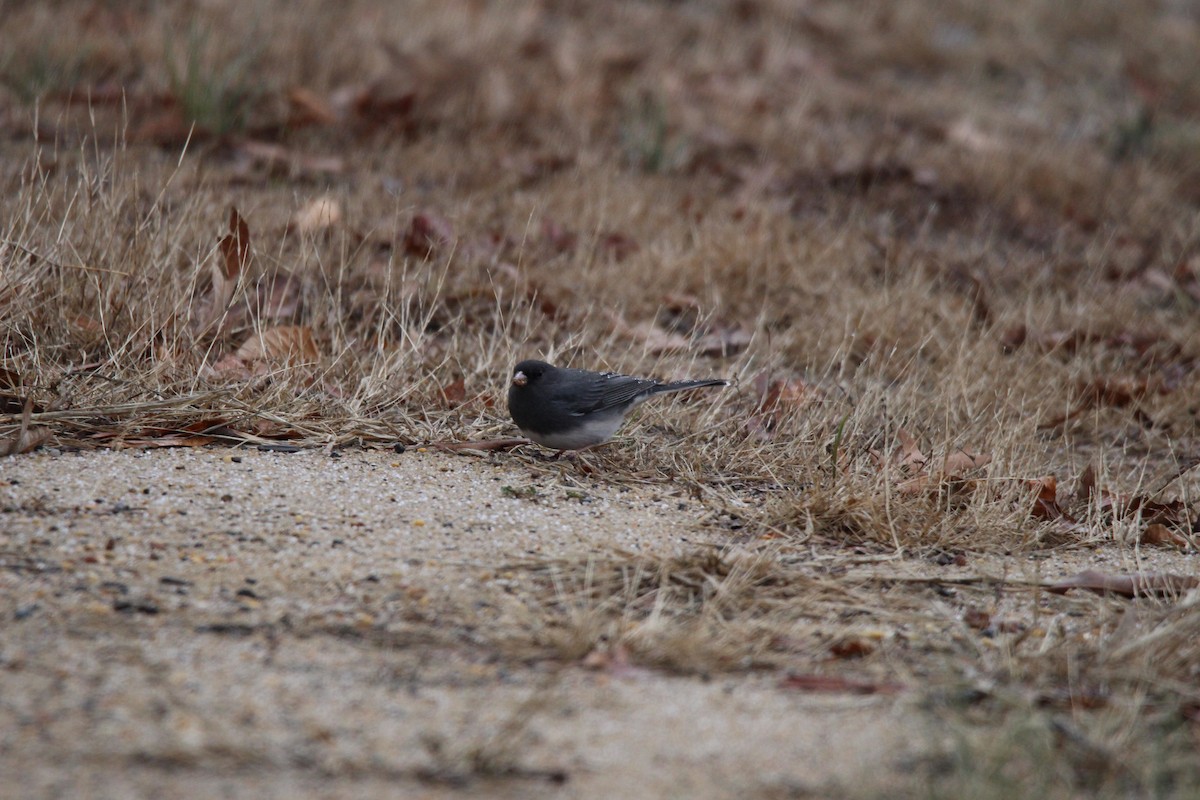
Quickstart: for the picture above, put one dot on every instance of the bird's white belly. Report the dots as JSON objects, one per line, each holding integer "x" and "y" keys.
{"x": 590, "y": 432}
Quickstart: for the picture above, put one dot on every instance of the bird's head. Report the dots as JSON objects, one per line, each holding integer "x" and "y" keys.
{"x": 528, "y": 372}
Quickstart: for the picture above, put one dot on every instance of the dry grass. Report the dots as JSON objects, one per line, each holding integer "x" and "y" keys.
{"x": 951, "y": 219}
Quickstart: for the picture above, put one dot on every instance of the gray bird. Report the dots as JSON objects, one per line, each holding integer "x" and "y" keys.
{"x": 572, "y": 409}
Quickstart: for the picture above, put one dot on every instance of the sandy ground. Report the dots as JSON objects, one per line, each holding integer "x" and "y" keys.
{"x": 211, "y": 623}
{"x": 218, "y": 623}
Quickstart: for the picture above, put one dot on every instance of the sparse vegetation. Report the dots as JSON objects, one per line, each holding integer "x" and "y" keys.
{"x": 948, "y": 252}
{"x": 213, "y": 94}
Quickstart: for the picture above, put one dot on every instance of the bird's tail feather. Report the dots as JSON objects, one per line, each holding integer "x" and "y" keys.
{"x": 679, "y": 386}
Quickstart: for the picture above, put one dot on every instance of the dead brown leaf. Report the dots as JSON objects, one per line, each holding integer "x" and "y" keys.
{"x": 455, "y": 392}
{"x": 234, "y": 249}
{"x": 10, "y": 380}
{"x": 291, "y": 344}
{"x": 428, "y": 234}
{"x": 230, "y": 367}
{"x": 1045, "y": 499}
{"x": 852, "y": 647}
{"x": 961, "y": 463}
{"x": 309, "y": 109}
{"x": 1158, "y": 534}
{"x": 977, "y": 618}
{"x": 317, "y": 215}
{"x": 26, "y": 437}
{"x": 1111, "y": 392}
{"x": 277, "y": 296}
{"x": 379, "y": 105}
{"x": 909, "y": 458}
{"x": 1168, "y": 514}
{"x": 166, "y": 126}
{"x": 786, "y": 394}
{"x": 777, "y": 399}
{"x": 618, "y": 245}
{"x": 11, "y": 399}
{"x": 951, "y": 478}
{"x": 955, "y": 476}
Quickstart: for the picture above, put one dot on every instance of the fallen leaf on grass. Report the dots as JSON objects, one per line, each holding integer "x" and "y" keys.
{"x": 230, "y": 367}
{"x": 852, "y": 647}
{"x": 455, "y": 392}
{"x": 290, "y": 344}
{"x": 1158, "y": 534}
{"x": 317, "y": 215}
{"x": 1163, "y": 519}
{"x": 167, "y": 126}
{"x": 428, "y": 233}
{"x": 277, "y": 296}
{"x": 309, "y": 109}
{"x": 959, "y": 463}
{"x": 378, "y": 105}
{"x": 837, "y": 683}
{"x": 617, "y": 245}
{"x": 1153, "y": 584}
{"x": 12, "y": 401}
{"x": 953, "y": 476}
{"x": 10, "y": 380}
{"x": 1045, "y": 499}
{"x": 909, "y": 457}
{"x": 977, "y": 618}
{"x": 539, "y": 296}
{"x": 26, "y": 437}
{"x": 1110, "y": 392}
{"x": 234, "y": 248}
{"x": 786, "y": 394}
{"x": 777, "y": 399}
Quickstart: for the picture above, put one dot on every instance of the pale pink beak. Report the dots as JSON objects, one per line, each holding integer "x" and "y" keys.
{"x": 519, "y": 379}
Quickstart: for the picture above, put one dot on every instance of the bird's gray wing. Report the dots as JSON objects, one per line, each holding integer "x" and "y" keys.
{"x": 606, "y": 390}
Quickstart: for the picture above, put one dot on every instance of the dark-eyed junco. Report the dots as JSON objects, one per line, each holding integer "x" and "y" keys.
{"x": 570, "y": 409}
